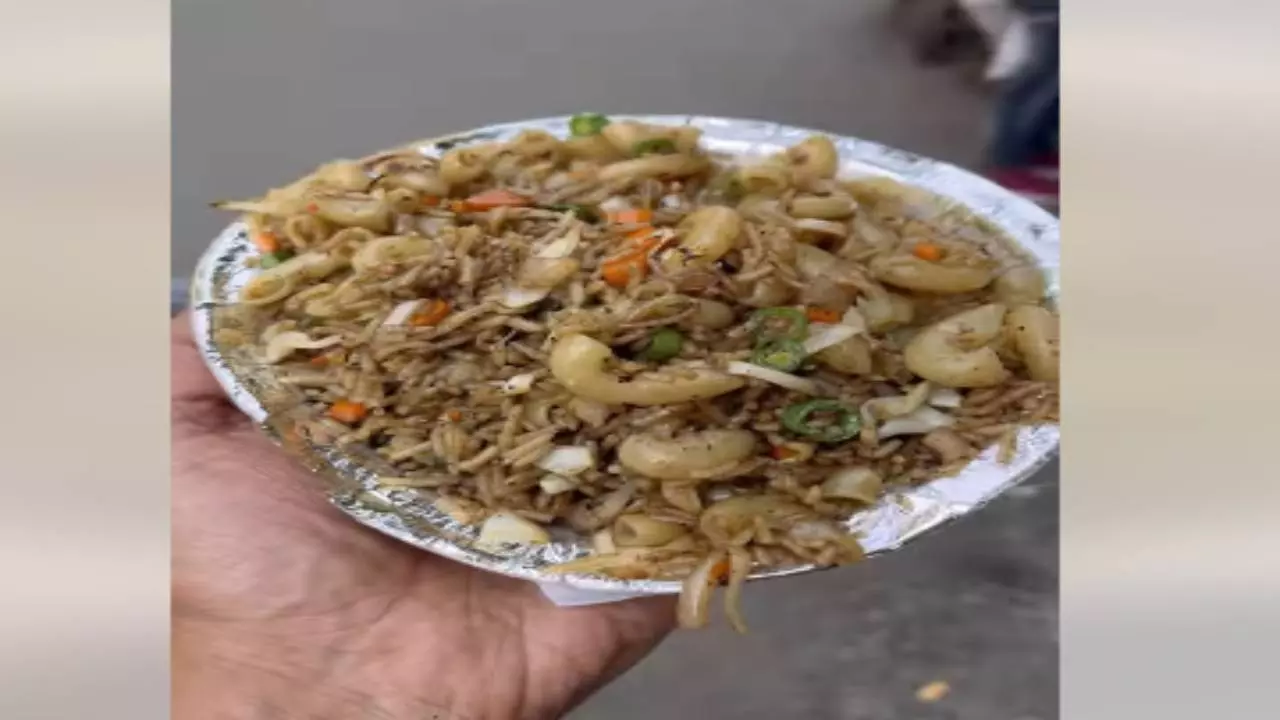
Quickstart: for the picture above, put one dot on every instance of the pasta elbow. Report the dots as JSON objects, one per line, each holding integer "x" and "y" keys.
{"x": 955, "y": 352}
{"x": 693, "y": 457}
{"x": 1034, "y": 331}
{"x": 578, "y": 363}
{"x": 912, "y": 273}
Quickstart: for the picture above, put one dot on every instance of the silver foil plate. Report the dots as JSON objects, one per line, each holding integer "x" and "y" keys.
{"x": 411, "y": 517}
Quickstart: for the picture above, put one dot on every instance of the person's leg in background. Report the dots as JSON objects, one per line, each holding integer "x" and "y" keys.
{"x": 1023, "y": 155}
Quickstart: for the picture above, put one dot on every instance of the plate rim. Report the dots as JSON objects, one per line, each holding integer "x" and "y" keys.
{"x": 202, "y": 300}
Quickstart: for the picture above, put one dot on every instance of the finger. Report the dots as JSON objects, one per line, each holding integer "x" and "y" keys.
{"x": 190, "y": 379}
{"x": 198, "y": 403}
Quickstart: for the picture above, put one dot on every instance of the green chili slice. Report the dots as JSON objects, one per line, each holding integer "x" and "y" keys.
{"x": 271, "y": 260}
{"x": 784, "y": 355}
{"x": 586, "y": 124}
{"x": 583, "y": 212}
{"x": 779, "y": 323}
{"x": 653, "y": 146}
{"x": 845, "y": 423}
{"x": 663, "y": 345}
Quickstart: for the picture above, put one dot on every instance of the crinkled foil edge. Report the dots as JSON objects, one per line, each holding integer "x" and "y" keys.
{"x": 410, "y": 516}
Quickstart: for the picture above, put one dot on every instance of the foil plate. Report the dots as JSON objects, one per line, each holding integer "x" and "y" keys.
{"x": 410, "y": 516}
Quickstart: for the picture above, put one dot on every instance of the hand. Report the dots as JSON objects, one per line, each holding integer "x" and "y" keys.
{"x": 284, "y": 608}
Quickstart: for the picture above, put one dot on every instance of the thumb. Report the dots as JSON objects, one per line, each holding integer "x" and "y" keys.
{"x": 198, "y": 403}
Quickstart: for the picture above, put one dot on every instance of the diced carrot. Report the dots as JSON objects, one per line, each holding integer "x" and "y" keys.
{"x": 267, "y": 242}
{"x": 618, "y": 271}
{"x": 631, "y": 216}
{"x": 348, "y": 412}
{"x": 313, "y": 208}
{"x": 720, "y": 571}
{"x": 453, "y": 415}
{"x": 432, "y": 200}
{"x": 497, "y": 197}
{"x": 431, "y": 313}
{"x": 640, "y": 234}
{"x": 458, "y": 206}
{"x": 927, "y": 251}
{"x": 319, "y": 360}
{"x": 781, "y": 452}
{"x": 822, "y": 315}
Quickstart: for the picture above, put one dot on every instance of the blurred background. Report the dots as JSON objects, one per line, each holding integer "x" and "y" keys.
{"x": 264, "y": 91}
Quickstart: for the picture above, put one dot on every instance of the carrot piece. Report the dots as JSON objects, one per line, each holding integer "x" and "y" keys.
{"x": 313, "y": 208}
{"x": 267, "y": 242}
{"x": 431, "y": 313}
{"x": 458, "y": 206}
{"x": 640, "y": 235}
{"x": 348, "y": 412}
{"x": 631, "y": 216}
{"x": 432, "y": 200}
{"x": 453, "y": 415}
{"x": 497, "y": 197}
{"x": 319, "y": 360}
{"x": 822, "y": 315}
{"x": 720, "y": 572}
{"x": 618, "y": 271}
{"x": 927, "y": 251}
{"x": 780, "y": 452}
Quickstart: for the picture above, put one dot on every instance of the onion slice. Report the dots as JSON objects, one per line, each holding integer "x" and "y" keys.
{"x": 401, "y": 313}
{"x": 825, "y": 227}
{"x": 502, "y": 528}
{"x": 739, "y": 569}
{"x": 945, "y": 397}
{"x": 517, "y": 385}
{"x": 923, "y": 420}
{"x": 562, "y": 246}
{"x": 615, "y": 203}
{"x": 555, "y": 484}
{"x": 516, "y": 298}
{"x": 568, "y": 460}
{"x": 824, "y": 335}
{"x": 283, "y": 345}
{"x": 695, "y": 594}
{"x": 791, "y": 382}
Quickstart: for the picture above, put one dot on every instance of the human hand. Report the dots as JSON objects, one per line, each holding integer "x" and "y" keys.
{"x": 283, "y": 608}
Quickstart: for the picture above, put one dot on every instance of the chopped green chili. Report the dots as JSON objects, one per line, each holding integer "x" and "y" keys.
{"x": 653, "y": 146}
{"x": 584, "y": 212}
{"x": 271, "y": 260}
{"x": 586, "y": 124}
{"x": 663, "y": 345}
{"x": 784, "y": 355}
{"x": 845, "y": 424}
{"x": 779, "y": 323}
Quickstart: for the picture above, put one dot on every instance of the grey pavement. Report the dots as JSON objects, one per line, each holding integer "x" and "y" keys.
{"x": 266, "y": 90}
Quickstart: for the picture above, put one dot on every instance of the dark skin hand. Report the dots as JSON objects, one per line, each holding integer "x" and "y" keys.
{"x": 284, "y": 608}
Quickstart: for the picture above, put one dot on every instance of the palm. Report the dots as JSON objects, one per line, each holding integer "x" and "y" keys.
{"x": 256, "y": 548}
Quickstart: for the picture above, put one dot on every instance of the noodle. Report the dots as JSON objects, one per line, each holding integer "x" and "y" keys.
{"x": 682, "y": 349}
